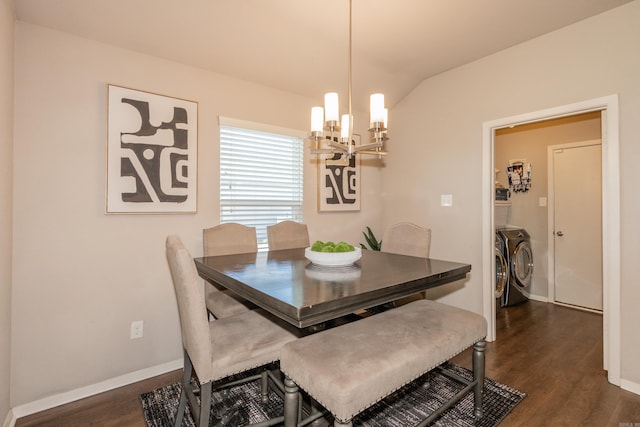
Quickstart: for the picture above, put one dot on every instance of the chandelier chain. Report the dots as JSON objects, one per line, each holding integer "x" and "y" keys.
{"x": 349, "y": 62}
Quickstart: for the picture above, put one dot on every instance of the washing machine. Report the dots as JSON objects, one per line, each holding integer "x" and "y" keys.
{"x": 519, "y": 258}
{"x": 502, "y": 270}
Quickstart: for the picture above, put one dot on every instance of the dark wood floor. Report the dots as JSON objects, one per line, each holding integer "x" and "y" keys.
{"x": 552, "y": 353}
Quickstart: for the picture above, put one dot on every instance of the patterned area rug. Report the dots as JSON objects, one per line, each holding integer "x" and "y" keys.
{"x": 241, "y": 405}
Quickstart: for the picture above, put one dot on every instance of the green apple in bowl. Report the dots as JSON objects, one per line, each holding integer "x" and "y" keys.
{"x": 320, "y": 246}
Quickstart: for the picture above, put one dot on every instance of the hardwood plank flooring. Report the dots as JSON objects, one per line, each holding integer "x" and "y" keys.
{"x": 552, "y": 353}
{"x": 116, "y": 408}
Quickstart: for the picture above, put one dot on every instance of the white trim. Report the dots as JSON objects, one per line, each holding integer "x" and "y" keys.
{"x": 261, "y": 127}
{"x": 577, "y": 307}
{"x": 630, "y": 386}
{"x": 488, "y": 230}
{"x": 551, "y": 209}
{"x": 93, "y": 389}
{"x": 610, "y": 218}
{"x": 10, "y": 420}
{"x": 538, "y": 298}
{"x": 611, "y": 240}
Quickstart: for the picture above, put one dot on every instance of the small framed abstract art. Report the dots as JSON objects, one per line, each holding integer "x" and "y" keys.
{"x": 152, "y": 153}
{"x": 339, "y": 182}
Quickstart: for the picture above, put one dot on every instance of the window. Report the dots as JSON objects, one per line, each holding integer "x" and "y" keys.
{"x": 261, "y": 175}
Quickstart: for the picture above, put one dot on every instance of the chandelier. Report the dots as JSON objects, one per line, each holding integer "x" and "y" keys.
{"x": 330, "y": 135}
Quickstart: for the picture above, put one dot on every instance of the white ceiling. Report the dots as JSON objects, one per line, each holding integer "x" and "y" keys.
{"x": 301, "y": 46}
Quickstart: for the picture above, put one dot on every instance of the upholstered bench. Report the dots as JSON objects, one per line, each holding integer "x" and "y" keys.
{"x": 351, "y": 367}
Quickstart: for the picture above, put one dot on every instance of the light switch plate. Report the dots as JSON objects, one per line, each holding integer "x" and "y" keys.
{"x": 137, "y": 329}
{"x": 446, "y": 200}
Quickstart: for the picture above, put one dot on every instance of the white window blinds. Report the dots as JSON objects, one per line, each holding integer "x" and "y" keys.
{"x": 261, "y": 176}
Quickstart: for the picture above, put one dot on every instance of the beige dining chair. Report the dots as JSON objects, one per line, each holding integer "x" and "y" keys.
{"x": 217, "y": 349}
{"x": 227, "y": 239}
{"x": 406, "y": 238}
{"x": 287, "y": 235}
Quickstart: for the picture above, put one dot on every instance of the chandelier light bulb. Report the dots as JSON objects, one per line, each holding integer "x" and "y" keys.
{"x": 317, "y": 119}
{"x": 377, "y": 108}
{"x": 345, "y": 127}
{"x": 331, "y": 107}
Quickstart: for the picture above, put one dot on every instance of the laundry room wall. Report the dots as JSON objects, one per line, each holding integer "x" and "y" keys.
{"x": 528, "y": 211}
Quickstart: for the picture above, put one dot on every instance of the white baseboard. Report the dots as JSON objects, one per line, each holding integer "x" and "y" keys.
{"x": 538, "y": 298}
{"x": 90, "y": 390}
{"x": 10, "y": 421}
{"x": 630, "y": 386}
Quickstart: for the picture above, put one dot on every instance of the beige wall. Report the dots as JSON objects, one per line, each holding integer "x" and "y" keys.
{"x": 6, "y": 208}
{"x": 80, "y": 276}
{"x": 436, "y": 145}
{"x": 530, "y": 142}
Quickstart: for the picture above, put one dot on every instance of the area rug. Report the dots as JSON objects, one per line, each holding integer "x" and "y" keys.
{"x": 241, "y": 405}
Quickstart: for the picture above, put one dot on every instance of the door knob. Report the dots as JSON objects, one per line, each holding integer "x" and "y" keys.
{"x": 559, "y": 233}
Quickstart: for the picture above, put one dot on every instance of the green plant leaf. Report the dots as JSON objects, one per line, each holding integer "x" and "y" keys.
{"x": 372, "y": 241}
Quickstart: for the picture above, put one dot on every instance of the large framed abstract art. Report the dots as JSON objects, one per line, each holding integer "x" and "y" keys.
{"x": 339, "y": 182}
{"x": 152, "y": 153}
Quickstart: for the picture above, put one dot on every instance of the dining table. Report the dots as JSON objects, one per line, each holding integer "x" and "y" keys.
{"x": 291, "y": 287}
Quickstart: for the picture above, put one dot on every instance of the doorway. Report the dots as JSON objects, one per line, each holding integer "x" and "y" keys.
{"x": 608, "y": 106}
{"x": 529, "y": 205}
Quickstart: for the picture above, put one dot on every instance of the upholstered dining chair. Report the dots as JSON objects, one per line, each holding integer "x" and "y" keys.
{"x": 227, "y": 239}
{"x": 287, "y": 235}
{"x": 406, "y": 238}
{"x": 217, "y": 349}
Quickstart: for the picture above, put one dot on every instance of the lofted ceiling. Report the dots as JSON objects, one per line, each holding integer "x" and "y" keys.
{"x": 301, "y": 46}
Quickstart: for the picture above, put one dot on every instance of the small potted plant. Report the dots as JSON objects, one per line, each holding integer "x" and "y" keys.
{"x": 372, "y": 241}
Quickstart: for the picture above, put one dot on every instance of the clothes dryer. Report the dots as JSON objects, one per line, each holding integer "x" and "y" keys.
{"x": 519, "y": 256}
{"x": 502, "y": 269}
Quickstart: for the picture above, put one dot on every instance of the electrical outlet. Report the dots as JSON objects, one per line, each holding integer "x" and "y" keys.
{"x": 137, "y": 329}
{"x": 446, "y": 200}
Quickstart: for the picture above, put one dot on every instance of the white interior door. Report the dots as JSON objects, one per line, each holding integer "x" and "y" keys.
{"x": 577, "y": 185}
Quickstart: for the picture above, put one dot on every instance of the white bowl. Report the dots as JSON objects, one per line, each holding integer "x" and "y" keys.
{"x": 333, "y": 259}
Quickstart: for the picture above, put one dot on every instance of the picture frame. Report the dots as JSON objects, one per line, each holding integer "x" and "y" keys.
{"x": 519, "y": 175}
{"x": 152, "y": 152}
{"x": 339, "y": 182}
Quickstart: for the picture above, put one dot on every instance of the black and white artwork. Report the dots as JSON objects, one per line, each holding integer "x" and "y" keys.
{"x": 152, "y": 153}
{"x": 339, "y": 182}
{"x": 519, "y": 175}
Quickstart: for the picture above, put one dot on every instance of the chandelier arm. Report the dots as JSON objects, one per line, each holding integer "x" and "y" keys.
{"x": 374, "y": 152}
{"x": 322, "y": 151}
{"x": 339, "y": 146}
{"x": 360, "y": 147}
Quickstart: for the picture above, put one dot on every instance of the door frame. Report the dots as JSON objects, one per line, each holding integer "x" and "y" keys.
{"x": 608, "y": 105}
{"x": 551, "y": 250}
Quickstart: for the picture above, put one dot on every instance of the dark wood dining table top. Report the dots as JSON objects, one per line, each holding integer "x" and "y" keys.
{"x": 289, "y": 286}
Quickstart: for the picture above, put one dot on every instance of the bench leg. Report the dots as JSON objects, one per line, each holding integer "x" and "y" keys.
{"x": 264, "y": 386}
{"x": 291, "y": 403}
{"x": 478, "y": 375}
